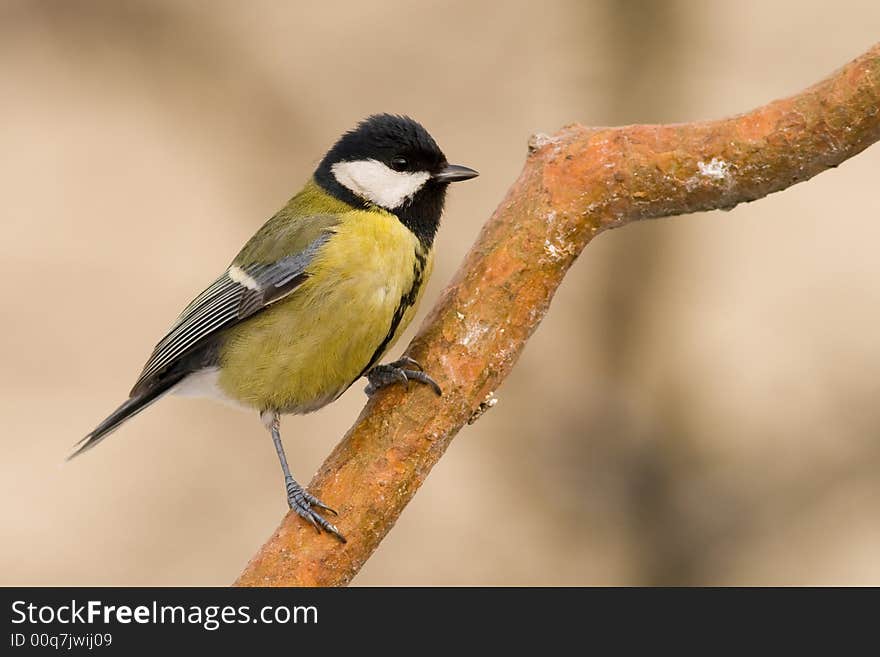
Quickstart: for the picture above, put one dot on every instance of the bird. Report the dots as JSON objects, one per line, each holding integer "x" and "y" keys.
{"x": 316, "y": 297}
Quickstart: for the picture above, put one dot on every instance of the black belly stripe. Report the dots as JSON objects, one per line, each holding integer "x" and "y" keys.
{"x": 405, "y": 302}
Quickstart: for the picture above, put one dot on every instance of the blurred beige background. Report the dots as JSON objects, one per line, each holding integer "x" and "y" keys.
{"x": 700, "y": 406}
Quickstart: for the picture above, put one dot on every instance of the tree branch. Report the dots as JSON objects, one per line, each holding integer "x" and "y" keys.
{"x": 574, "y": 185}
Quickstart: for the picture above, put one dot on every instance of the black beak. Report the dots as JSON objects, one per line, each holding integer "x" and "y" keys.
{"x": 454, "y": 173}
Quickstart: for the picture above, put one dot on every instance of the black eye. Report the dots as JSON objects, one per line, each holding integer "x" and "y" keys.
{"x": 399, "y": 164}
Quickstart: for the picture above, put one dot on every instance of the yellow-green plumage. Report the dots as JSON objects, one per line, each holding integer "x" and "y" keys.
{"x": 316, "y": 296}
{"x": 305, "y": 350}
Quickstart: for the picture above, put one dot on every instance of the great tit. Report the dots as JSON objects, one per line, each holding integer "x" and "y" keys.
{"x": 316, "y": 296}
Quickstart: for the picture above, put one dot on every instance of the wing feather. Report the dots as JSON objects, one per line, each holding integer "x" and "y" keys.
{"x": 227, "y": 301}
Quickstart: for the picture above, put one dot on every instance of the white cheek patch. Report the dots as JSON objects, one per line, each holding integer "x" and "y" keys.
{"x": 378, "y": 183}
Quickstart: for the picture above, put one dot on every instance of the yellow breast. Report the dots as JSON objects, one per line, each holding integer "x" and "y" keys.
{"x": 362, "y": 291}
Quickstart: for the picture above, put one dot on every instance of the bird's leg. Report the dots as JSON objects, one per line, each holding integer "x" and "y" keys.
{"x": 298, "y": 498}
{"x": 400, "y": 371}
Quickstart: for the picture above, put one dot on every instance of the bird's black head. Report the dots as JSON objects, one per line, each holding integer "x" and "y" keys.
{"x": 392, "y": 162}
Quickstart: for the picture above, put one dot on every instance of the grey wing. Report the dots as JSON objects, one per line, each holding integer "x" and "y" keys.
{"x": 236, "y": 295}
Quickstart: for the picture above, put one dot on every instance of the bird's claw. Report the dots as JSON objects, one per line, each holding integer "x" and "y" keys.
{"x": 406, "y": 361}
{"x": 400, "y": 371}
{"x": 301, "y": 502}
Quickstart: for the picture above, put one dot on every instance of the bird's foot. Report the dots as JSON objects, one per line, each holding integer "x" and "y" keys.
{"x": 301, "y": 501}
{"x": 400, "y": 371}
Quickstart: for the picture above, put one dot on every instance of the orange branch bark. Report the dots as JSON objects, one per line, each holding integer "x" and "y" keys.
{"x": 574, "y": 185}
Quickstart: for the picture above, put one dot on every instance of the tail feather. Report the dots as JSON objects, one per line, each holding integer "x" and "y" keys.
{"x": 126, "y": 411}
